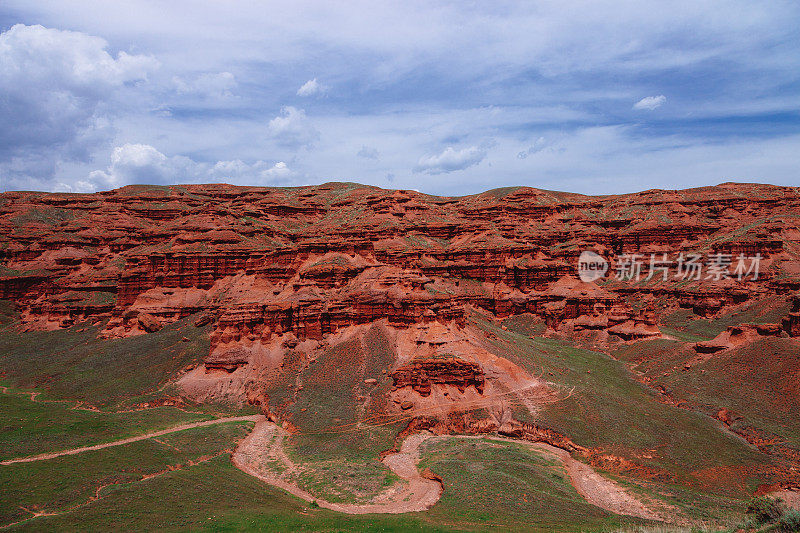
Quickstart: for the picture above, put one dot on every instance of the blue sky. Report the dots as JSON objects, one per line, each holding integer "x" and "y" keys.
{"x": 444, "y": 97}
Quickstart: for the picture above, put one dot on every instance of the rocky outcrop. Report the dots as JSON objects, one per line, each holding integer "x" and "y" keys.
{"x": 422, "y": 374}
{"x": 17, "y": 286}
{"x": 228, "y": 360}
{"x": 148, "y": 322}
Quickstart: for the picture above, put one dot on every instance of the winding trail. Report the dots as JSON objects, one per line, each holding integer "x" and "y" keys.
{"x": 74, "y": 451}
{"x": 264, "y": 446}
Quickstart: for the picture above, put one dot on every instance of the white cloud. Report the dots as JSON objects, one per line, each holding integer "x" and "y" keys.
{"x": 142, "y": 163}
{"x": 279, "y": 170}
{"x": 57, "y": 59}
{"x": 57, "y": 87}
{"x": 311, "y": 87}
{"x": 450, "y": 160}
{"x": 368, "y": 152}
{"x": 137, "y": 163}
{"x": 292, "y": 129}
{"x": 650, "y": 102}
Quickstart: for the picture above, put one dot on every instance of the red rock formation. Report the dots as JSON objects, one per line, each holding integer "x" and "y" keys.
{"x": 421, "y": 374}
{"x": 312, "y": 260}
{"x": 228, "y": 361}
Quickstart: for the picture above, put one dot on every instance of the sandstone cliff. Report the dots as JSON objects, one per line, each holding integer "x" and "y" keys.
{"x": 275, "y": 267}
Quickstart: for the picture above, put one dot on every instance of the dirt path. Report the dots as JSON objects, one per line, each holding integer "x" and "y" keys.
{"x": 599, "y": 491}
{"x": 265, "y": 445}
{"x": 81, "y": 406}
{"x": 74, "y": 451}
{"x": 32, "y": 395}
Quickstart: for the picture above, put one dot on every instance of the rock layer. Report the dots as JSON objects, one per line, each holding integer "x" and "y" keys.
{"x": 270, "y": 262}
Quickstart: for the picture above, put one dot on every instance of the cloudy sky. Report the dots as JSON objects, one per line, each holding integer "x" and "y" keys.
{"x": 444, "y": 97}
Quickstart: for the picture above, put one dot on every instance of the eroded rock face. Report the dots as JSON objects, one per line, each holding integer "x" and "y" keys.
{"x": 265, "y": 263}
{"x": 228, "y": 360}
{"x": 421, "y": 374}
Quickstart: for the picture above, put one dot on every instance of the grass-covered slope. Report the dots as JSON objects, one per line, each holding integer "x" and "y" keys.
{"x": 74, "y": 364}
{"x": 34, "y": 427}
{"x": 634, "y": 431}
{"x": 67, "y": 484}
{"x": 212, "y": 496}
{"x": 757, "y": 383}
{"x": 686, "y": 326}
{"x": 509, "y": 485}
